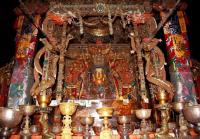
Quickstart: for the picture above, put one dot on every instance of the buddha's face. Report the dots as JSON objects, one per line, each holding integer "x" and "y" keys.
{"x": 98, "y": 76}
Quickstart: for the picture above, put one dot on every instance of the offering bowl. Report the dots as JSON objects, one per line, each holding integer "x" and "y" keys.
{"x": 67, "y": 109}
{"x": 183, "y": 129}
{"x": 9, "y": 118}
{"x": 124, "y": 120}
{"x": 105, "y": 111}
{"x": 192, "y": 113}
{"x": 27, "y": 110}
{"x": 143, "y": 114}
{"x": 87, "y": 121}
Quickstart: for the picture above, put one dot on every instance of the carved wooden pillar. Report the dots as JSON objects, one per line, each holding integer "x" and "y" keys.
{"x": 179, "y": 57}
{"x": 22, "y": 76}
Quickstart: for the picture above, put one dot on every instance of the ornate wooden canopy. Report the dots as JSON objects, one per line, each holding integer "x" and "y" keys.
{"x": 100, "y": 19}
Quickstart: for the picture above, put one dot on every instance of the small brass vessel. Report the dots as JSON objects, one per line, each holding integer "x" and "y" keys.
{"x": 77, "y": 130}
{"x": 124, "y": 120}
{"x": 27, "y": 110}
{"x": 56, "y": 129}
{"x": 100, "y": 32}
{"x": 162, "y": 97}
{"x": 164, "y": 107}
{"x": 192, "y": 113}
{"x": 67, "y": 109}
{"x": 183, "y": 129}
{"x": 143, "y": 114}
{"x": 105, "y": 112}
{"x": 163, "y": 131}
{"x": 9, "y": 118}
{"x": 87, "y": 121}
{"x": 44, "y": 100}
{"x": 178, "y": 106}
{"x": 35, "y": 130}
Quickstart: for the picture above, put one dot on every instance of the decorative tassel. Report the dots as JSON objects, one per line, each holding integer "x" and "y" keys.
{"x": 110, "y": 22}
{"x": 81, "y": 24}
{"x": 123, "y": 21}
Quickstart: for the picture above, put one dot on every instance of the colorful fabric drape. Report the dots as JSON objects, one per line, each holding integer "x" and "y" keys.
{"x": 5, "y": 76}
{"x": 179, "y": 57}
{"x": 22, "y": 76}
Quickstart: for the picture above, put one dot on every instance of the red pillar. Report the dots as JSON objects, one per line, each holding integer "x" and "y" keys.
{"x": 179, "y": 57}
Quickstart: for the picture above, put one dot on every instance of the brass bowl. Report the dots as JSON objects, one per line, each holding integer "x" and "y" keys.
{"x": 143, "y": 113}
{"x": 105, "y": 111}
{"x": 56, "y": 129}
{"x": 10, "y": 117}
{"x": 87, "y": 120}
{"x": 192, "y": 113}
{"x": 124, "y": 119}
{"x": 162, "y": 97}
{"x": 27, "y": 110}
{"x": 77, "y": 130}
{"x": 35, "y": 129}
{"x": 100, "y": 32}
{"x": 44, "y": 100}
{"x": 178, "y": 106}
{"x": 67, "y": 108}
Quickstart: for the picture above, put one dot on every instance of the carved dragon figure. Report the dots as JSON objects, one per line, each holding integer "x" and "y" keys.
{"x": 49, "y": 45}
{"x": 157, "y": 75}
{"x": 37, "y": 86}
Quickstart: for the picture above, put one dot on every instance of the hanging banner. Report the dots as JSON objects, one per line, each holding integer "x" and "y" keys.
{"x": 179, "y": 57}
{"x": 22, "y": 76}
